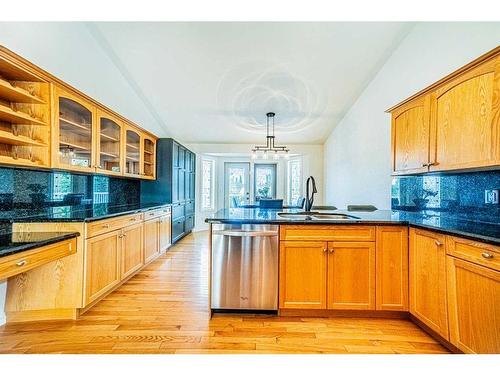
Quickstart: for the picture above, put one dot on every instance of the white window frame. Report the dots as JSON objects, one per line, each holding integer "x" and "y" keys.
{"x": 212, "y": 185}
{"x": 289, "y": 178}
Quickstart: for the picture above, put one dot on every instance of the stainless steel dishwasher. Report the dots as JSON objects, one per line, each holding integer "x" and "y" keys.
{"x": 244, "y": 267}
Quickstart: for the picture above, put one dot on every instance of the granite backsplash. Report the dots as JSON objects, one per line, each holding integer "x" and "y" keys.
{"x": 31, "y": 189}
{"x": 459, "y": 194}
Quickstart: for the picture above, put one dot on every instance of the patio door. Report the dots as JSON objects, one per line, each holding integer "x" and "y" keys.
{"x": 236, "y": 184}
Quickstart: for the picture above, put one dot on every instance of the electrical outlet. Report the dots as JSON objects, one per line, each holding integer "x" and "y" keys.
{"x": 491, "y": 196}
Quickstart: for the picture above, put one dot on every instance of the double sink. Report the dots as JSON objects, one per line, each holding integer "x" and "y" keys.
{"x": 313, "y": 215}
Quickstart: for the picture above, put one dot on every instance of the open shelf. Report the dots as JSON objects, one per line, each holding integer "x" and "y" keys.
{"x": 18, "y": 140}
{"x": 20, "y": 161}
{"x": 17, "y": 94}
{"x": 9, "y": 115}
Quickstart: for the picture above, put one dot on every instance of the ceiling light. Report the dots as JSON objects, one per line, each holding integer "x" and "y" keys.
{"x": 270, "y": 146}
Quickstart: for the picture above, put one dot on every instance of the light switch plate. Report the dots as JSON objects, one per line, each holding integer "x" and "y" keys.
{"x": 491, "y": 196}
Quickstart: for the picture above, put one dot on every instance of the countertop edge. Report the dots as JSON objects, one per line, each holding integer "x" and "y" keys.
{"x": 34, "y": 245}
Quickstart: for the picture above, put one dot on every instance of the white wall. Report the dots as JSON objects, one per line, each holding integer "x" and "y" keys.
{"x": 357, "y": 153}
{"x": 312, "y": 159}
{"x": 70, "y": 52}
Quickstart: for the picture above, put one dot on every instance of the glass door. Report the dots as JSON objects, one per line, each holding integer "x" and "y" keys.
{"x": 75, "y": 132}
{"x": 236, "y": 184}
{"x": 264, "y": 181}
{"x": 132, "y": 153}
{"x": 109, "y": 147}
{"x": 149, "y": 157}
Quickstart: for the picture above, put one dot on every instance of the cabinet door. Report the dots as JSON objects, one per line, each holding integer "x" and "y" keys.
{"x": 392, "y": 268}
{"x": 178, "y": 226}
{"x": 102, "y": 261}
{"x": 181, "y": 183}
{"x": 151, "y": 239}
{"x": 165, "y": 232}
{"x": 74, "y": 132}
{"x": 473, "y": 306}
{"x": 303, "y": 274}
{"x": 466, "y": 120}
{"x": 428, "y": 279}
{"x": 351, "y": 275}
{"x": 175, "y": 155}
{"x": 109, "y": 144}
{"x": 148, "y": 159}
{"x": 175, "y": 184}
{"x": 132, "y": 153}
{"x": 133, "y": 250}
{"x": 410, "y": 137}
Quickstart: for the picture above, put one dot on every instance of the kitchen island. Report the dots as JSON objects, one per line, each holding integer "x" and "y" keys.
{"x": 441, "y": 271}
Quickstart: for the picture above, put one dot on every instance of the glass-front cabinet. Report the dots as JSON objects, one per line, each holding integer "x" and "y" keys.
{"x": 132, "y": 153}
{"x": 74, "y": 133}
{"x": 109, "y": 150}
{"x": 148, "y": 159}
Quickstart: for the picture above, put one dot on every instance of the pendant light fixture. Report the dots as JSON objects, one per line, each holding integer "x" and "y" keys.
{"x": 270, "y": 149}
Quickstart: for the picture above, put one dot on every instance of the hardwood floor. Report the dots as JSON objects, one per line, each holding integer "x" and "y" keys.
{"x": 163, "y": 309}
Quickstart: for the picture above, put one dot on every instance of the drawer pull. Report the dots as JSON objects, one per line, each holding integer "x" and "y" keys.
{"x": 438, "y": 243}
{"x": 133, "y": 219}
{"x": 324, "y": 250}
{"x": 487, "y": 255}
{"x": 331, "y": 251}
{"x": 21, "y": 263}
{"x": 105, "y": 226}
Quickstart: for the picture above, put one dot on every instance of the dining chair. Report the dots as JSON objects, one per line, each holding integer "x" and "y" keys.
{"x": 271, "y": 203}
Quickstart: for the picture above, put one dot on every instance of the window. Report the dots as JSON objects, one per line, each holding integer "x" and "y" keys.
{"x": 294, "y": 181}
{"x": 207, "y": 184}
{"x": 62, "y": 184}
{"x": 265, "y": 181}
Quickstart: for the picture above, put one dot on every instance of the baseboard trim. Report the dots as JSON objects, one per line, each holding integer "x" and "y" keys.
{"x": 436, "y": 336}
{"x": 345, "y": 313}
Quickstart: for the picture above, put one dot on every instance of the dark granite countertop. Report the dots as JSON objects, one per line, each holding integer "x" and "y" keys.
{"x": 77, "y": 213}
{"x": 15, "y": 242}
{"x": 438, "y": 221}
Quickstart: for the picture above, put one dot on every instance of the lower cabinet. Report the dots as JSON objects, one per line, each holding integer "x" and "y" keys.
{"x": 132, "y": 255}
{"x": 164, "y": 233}
{"x": 351, "y": 275}
{"x": 177, "y": 228}
{"x": 102, "y": 265}
{"x": 151, "y": 239}
{"x": 303, "y": 267}
{"x": 428, "y": 279}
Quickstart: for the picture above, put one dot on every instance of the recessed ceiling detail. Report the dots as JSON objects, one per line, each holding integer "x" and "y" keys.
{"x": 248, "y": 91}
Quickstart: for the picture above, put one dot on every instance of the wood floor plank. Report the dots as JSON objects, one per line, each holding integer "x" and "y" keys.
{"x": 163, "y": 310}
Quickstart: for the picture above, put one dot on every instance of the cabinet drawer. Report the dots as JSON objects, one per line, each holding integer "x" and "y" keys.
{"x": 177, "y": 228}
{"x": 189, "y": 207}
{"x": 473, "y": 251}
{"x": 156, "y": 213}
{"x": 178, "y": 210}
{"x": 21, "y": 262}
{"x": 327, "y": 232}
{"x": 108, "y": 225}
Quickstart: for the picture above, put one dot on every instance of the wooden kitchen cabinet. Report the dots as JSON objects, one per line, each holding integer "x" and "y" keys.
{"x": 302, "y": 276}
{"x": 165, "y": 232}
{"x": 428, "y": 279}
{"x": 465, "y": 122}
{"x": 132, "y": 253}
{"x": 110, "y": 137}
{"x": 102, "y": 266}
{"x": 73, "y": 132}
{"x": 473, "y": 306}
{"x": 351, "y": 275}
{"x": 410, "y": 137}
{"x": 151, "y": 239}
{"x": 392, "y": 268}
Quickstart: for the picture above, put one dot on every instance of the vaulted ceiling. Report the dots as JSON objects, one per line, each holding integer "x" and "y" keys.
{"x": 214, "y": 82}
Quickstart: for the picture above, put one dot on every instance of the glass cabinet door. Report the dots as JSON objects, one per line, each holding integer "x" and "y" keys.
{"x": 149, "y": 157}
{"x": 132, "y": 153}
{"x": 109, "y": 155}
{"x": 75, "y": 133}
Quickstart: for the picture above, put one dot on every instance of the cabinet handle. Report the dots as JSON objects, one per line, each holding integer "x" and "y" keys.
{"x": 331, "y": 251}
{"x": 487, "y": 255}
{"x": 426, "y": 164}
{"x": 324, "y": 250}
{"x": 21, "y": 263}
{"x": 438, "y": 243}
{"x": 105, "y": 226}
{"x": 133, "y": 219}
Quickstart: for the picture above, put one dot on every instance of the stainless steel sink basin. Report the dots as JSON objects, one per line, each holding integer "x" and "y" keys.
{"x": 315, "y": 216}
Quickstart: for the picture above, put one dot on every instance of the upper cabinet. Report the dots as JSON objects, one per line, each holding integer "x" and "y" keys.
{"x": 46, "y": 123}
{"x": 109, "y": 144}
{"x": 73, "y": 132}
{"x": 24, "y": 116}
{"x": 453, "y": 125}
{"x": 466, "y": 120}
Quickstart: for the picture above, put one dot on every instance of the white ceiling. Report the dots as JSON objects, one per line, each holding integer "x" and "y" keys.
{"x": 214, "y": 82}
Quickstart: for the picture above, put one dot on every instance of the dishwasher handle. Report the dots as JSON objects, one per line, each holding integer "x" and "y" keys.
{"x": 246, "y": 233}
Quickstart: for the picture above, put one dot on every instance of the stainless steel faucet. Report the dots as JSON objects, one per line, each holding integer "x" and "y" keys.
{"x": 310, "y": 197}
